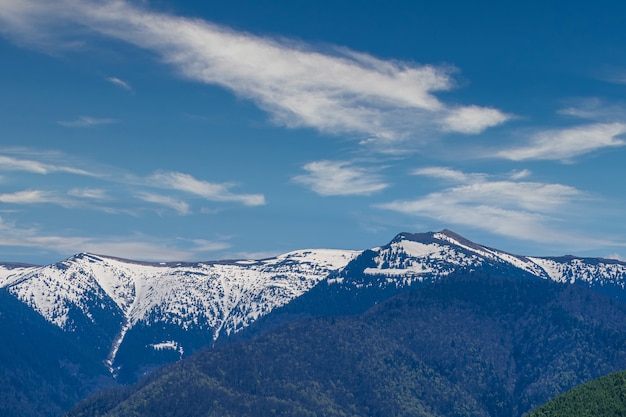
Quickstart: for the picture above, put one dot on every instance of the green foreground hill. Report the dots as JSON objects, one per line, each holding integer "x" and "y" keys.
{"x": 603, "y": 397}
{"x": 465, "y": 346}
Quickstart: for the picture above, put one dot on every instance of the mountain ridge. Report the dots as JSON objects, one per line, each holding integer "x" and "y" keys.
{"x": 201, "y": 295}
{"x": 173, "y": 308}
{"x": 151, "y": 292}
{"x": 136, "y": 316}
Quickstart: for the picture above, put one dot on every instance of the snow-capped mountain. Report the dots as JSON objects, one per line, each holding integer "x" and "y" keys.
{"x": 416, "y": 257}
{"x": 136, "y": 315}
{"x": 115, "y": 296}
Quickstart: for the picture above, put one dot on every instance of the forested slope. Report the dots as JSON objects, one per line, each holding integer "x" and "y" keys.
{"x": 603, "y": 397}
{"x": 465, "y": 346}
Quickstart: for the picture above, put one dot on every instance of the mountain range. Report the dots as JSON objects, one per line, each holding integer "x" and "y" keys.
{"x": 467, "y": 345}
{"x": 166, "y": 308}
{"x": 136, "y": 316}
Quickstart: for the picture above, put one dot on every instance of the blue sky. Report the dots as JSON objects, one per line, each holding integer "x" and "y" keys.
{"x": 162, "y": 130}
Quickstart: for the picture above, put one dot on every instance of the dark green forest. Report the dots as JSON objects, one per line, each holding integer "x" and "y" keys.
{"x": 471, "y": 345}
{"x": 43, "y": 372}
{"x": 603, "y": 397}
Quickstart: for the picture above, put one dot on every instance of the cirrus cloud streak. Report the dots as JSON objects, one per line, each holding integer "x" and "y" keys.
{"x": 565, "y": 144}
{"x": 336, "y": 90}
{"x": 175, "y": 181}
{"x": 339, "y": 178}
{"x": 208, "y": 190}
{"x": 133, "y": 247}
{"x": 520, "y": 209}
{"x": 9, "y": 163}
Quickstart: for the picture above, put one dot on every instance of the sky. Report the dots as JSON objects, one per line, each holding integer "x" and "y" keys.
{"x": 178, "y": 130}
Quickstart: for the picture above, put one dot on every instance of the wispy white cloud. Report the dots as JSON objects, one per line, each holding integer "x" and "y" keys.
{"x": 521, "y": 174}
{"x": 612, "y": 74}
{"x": 89, "y": 193}
{"x": 120, "y": 83}
{"x": 594, "y": 109}
{"x": 208, "y": 190}
{"x": 339, "y": 178}
{"x": 519, "y": 209}
{"x": 450, "y": 174}
{"x": 588, "y": 108}
{"x": 134, "y": 247}
{"x": 180, "y": 206}
{"x": 568, "y": 143}
{"x": 9, "y": 163}
{"x": 141, "y": 249}
{"x": 336, "y": 90}
{"x": 86, "y": 121}
{"x": 477, "y": 187}
{"x": 457, "y": 176}
{"x": 132, "y": 184}
{"x": 28, "y": 197}
{"x": 203, "y": 245}
{"x": 473, "y": 119}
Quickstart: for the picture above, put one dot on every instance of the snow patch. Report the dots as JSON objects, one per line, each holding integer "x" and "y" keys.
{"x": 11, "y": 275}
{"x": 168, "y": 345}
{"x": 415, "y": 270}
